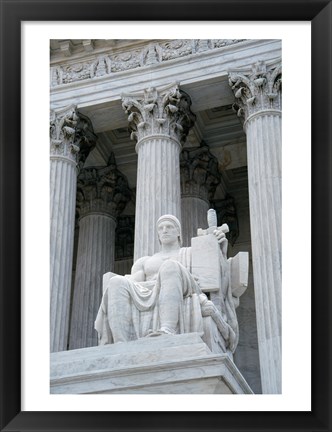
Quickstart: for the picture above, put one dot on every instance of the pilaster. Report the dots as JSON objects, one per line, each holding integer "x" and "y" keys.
{"x": 159, "y": 120}
{"x": 102, "y": 194}
{"x": 258, "y": 102}
{"x": 72, "y": 138}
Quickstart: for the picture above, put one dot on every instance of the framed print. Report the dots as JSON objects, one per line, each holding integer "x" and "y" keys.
{"x": 140, "y": 78}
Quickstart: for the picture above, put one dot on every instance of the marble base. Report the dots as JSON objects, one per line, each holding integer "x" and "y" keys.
{"x": 167, "y": 364}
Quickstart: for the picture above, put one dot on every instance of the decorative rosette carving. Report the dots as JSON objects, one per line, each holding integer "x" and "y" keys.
{"x": 103, "y": 190}
{"x": 159, "y": 112}
{"x": 71, "y": 135}
{"x": 257, "y": 90}
{"x": 199, "y": 172}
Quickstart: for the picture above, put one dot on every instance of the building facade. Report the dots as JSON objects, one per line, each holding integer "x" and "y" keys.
{"x": 141, "y": 128}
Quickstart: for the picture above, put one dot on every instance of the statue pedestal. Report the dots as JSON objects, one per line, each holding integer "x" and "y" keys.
{"x": 164, "y": 364}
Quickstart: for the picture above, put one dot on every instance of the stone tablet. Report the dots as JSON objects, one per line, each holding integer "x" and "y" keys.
{"x": 206, "y": 262}
{"x": 239, "y": 273}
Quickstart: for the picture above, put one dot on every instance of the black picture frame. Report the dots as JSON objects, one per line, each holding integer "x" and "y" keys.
{"x": 319, "y": 12}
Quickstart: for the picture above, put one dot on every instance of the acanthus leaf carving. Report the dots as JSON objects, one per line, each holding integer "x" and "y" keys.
{"x": 102, "y": 189}
{"x": 71, "y": 135}
{"x": 159, "y": 111}
{"x": 200, "y": 174}
{"x": 256, "y": 90}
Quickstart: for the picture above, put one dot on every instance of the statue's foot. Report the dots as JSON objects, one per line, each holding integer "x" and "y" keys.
{"x": 154, "y": 333}
{"x": 160, "y": 332}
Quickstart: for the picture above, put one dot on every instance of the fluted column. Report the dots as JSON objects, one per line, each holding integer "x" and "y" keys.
{"x": 71, "y": 140}
{"x": 199, "y": 179}
{"x": 102, "y": 193}
{"x": 258, "y": 94}
{"x": 160, "y": 120}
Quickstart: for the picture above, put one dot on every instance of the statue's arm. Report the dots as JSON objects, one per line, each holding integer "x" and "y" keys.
{"x": 137, "y": 270}
{"x": 222, "y": 240}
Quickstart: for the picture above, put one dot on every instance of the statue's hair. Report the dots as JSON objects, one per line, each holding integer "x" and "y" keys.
{"x": 175, "y": 221}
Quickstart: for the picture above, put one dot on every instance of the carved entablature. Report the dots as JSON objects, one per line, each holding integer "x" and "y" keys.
{"x": 199, "y": 172}
{"x": 102, "y": 190}
{"x": 153, "y": 53}
{"x": 164, "y": 111}
{"x": 256, "y": 90}
{"x": 177, "y": 48}
{"x": 125, "y": 61}
{"x": 71, "y": 135}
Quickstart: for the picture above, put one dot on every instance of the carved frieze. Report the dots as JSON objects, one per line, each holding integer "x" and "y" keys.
{"x": 71, "y": 135}
{"x": 163, "y": 111}
{"x": 151, "y": 54}
{"x": 177, "y": 48}
{"x": 256, "y": 90}
{"x": 125, "y": 61}
{"x": 199, "y": 172}
{"x": 102, "y": 189}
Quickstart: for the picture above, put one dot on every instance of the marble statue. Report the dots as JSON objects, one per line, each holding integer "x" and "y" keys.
{"x": 162, "y": 296}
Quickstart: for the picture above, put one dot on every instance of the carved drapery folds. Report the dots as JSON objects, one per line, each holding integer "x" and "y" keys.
{"x": 256, "y": 90}
{"x": 102, "y": 190}
{"x": 199, "y": 172}
{"x": 72, "y": 135}
{"x": 164, "y": 111}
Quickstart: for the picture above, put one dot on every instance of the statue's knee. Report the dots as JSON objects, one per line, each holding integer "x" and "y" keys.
{"x": 117, "y": 284}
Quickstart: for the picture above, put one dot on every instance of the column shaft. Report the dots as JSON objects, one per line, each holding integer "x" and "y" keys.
{"x": 264, "y": 177}
{"x": 160, "y": 120}
{"x": 63, "y": 190}
{"x": 258, "y": 100}
{"x": 199, "y": 179}
{"x": 72, "y": 139}
{"x": 95, "y": 256}
{"x": 158, "y": 190}
{"x": 194, "y": 211}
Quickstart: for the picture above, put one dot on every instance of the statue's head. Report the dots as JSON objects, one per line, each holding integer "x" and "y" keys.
{"x": 173, "y": 221}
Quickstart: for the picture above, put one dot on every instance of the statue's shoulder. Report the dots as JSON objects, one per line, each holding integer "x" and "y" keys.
{"x": 140, "y": 262}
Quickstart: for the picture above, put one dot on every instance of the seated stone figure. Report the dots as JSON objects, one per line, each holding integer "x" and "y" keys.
{"x": 161, "y": 296}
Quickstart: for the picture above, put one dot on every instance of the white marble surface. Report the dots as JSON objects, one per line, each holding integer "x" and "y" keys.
{"x": 95, "y": 256}
{"x": 63, "y": 192}
{"x": 264, "y": 176}
{"x": 193, "y": 213}
{"x": 158, "y": 190}
{"x": 167, "y": 364}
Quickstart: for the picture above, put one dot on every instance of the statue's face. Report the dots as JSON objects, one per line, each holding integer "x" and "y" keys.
{"x": 167, "y": 232}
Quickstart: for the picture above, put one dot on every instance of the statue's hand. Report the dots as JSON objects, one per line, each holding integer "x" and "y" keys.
{"x": 219, "y": 233}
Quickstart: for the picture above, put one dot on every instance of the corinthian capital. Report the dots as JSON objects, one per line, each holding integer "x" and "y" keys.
{"x": 71, "y": 135}
{"x": 102, "y": 190}
{"x": 164, "y": 111}
{"x": 199, "y": 172}
{"x": 256, "y": 90}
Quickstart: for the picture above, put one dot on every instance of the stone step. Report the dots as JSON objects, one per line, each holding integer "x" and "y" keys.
{"x": 164, "y": 364}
